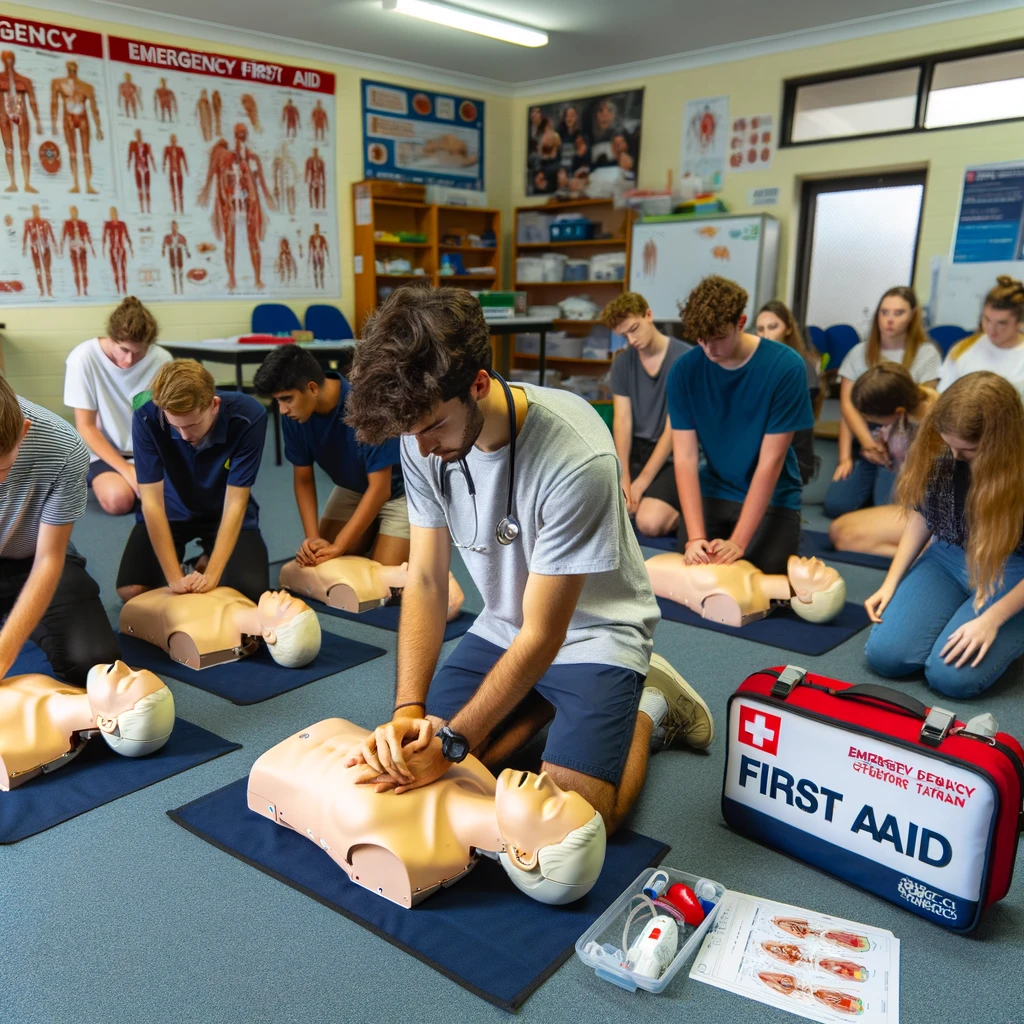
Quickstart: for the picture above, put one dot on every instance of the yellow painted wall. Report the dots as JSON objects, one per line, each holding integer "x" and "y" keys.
{"x": 37, "y": 340}
{"x": 755, "y": 87}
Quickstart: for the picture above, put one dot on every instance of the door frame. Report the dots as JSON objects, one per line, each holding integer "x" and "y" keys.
{"x": 810, "y": 191}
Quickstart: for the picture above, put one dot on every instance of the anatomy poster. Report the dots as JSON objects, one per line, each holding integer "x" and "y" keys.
{"x": 751, "y": 143}
{"x": 813, "y": 965}
{"x": 423, "y": 137}
{"x": 226, "y": 169}
{"x": 58, "y": 181}
{"x": 705, "y": 138}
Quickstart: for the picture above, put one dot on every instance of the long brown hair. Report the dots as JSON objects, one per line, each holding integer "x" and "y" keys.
{"x": 884, "y": 388}
{"x": 794, "y": 336}
{"x": 982, "y": 409}
{"x": 916, "y": 336}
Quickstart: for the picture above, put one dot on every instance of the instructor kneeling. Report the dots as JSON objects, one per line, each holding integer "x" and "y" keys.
{"x": 525, "y": 482}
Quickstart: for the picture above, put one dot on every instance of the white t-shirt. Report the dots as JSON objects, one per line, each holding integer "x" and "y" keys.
{"x": 925, "y": 368}
{"x": 978, "y": 353}
{"x": 93, "y": 381}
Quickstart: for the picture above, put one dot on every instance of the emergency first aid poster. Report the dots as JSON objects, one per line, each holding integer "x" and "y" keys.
{"x": 161, "y": 171}
{"x": 911, "y": 828}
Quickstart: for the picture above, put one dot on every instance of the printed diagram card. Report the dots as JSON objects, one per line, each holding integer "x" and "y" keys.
{"x": 813, "y": 965}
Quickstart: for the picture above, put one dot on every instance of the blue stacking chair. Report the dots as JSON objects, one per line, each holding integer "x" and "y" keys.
{"x": 327, "y": 323}
{"x": 274, "y": 318}
{"x": 947, "y": 335}
{"x": 839, "y": 339}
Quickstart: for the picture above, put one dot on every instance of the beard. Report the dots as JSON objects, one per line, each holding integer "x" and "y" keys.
{"x": 471, "y": 431}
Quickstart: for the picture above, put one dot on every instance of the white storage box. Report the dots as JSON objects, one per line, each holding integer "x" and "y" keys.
{"x": 529, "y": 268}
{"x": 554, "y": 266}
{"x": 550, "y": 312}
{"x": 533, "y": 228}
{"x": 561, "y": 345}
{"x": 528, "y": 344}
{"x": 608, "y": 266}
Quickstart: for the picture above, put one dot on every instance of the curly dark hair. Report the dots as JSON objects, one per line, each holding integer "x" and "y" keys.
{"x": 715, "y": 305}
{"x": 423, "y": 346}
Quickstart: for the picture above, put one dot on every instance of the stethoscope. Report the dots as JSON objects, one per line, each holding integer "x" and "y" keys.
{"x": 507, "y": 529}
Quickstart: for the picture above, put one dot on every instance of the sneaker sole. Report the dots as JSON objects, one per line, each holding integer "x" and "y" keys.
{"x": 680, "y": 685}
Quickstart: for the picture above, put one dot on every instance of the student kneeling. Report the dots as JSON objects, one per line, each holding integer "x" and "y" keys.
{"x": 197, "y": 453}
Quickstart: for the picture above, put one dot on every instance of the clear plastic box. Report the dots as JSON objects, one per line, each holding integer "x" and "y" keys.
{"x": 594, "y": 947}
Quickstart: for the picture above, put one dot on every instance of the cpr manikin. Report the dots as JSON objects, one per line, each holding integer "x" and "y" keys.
{"x": 222, "y": 625}
{"x": 404, "y": 847}
{"x": 740, "y": 593}
{"x": 355, "y": 584}
{"x": 45, "y": 723}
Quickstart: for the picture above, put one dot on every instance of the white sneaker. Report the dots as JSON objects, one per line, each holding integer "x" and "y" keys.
{"x": 689, "y": 718}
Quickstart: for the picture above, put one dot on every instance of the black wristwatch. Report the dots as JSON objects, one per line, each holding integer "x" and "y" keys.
{"x": 454, "y": 747}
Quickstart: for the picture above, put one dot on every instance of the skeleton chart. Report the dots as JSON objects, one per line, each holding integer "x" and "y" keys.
{"x": 163, "y": 172}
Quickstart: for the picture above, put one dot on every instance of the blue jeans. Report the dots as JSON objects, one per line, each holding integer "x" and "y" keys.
{"x": 867, "y": 485}
{"x": 932, "y": 601}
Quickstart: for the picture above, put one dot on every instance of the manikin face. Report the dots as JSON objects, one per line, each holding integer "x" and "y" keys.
{"x": 115, "y": 689}
{"x": 723, "y": 349}
{"x": 770, "y": 326}
{"x": 450, "y": 429}
{"x": 298, "y": 405}
{"x": 1002, "y": 327}
{"x": 963, "y": 451}
{"x": 638, "y": 330}
{"x": 195, "y": 425}
{"x": 533, "y": 812}
{"x": 809, "y": 576}
{"x": 125, "y": 354}
{"x": 894, "y": 317}
{"x": 277, "y": 608}
{"x": 8, "y": 459}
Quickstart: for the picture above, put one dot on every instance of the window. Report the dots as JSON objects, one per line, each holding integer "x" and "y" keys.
{"x": 944, "y": 90}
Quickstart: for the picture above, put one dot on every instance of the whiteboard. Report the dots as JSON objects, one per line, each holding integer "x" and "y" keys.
{"x": 670, "y": 257}
{"x": 962, "y": 290}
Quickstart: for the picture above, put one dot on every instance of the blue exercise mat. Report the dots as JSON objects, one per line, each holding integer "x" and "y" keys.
{"x": 669, "y": 543}
{"x": 482, "y": 933}
{"x": 256, "y": 678}
{"x": 783, "y": 628}
{"x": 97, "y": 775}
{"x": 816, "y": 543}
{"x": 387, "y": 618}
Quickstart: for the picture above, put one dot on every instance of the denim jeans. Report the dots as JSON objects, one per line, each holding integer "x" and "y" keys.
{"x": 867, "y": 485}
{"x": 932, "y": 601}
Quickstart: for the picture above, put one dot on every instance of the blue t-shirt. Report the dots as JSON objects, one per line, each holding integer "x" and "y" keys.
{"x": 331, "y": 443}
{"x": 732, "y": 410}
{"x": 196, "y": 479}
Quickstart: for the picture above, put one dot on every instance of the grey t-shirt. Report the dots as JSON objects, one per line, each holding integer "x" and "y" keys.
{"x": 646, "y": 394}
{"x": 572, "y": 513}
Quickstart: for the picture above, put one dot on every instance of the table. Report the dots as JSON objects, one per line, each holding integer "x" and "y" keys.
{"x": 225, "y": 350}
{"x": 521, "y": 325}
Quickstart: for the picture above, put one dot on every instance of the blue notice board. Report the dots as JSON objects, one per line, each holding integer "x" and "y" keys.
{"x": 428, "y": 138}
{"x": 990, "y": 227}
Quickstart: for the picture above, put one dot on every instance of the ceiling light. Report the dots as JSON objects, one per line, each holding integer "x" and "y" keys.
{"x": 469, "y": 21}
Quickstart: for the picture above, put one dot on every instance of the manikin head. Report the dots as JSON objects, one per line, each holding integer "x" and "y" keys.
{"x": 555, "y": 841}
{"x": 819, "y": 592}
{"x": 290, "y": 628}
{"x": 134, "y": 709}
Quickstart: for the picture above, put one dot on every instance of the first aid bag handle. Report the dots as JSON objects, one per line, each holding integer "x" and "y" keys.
{"x": 884, "y": 695}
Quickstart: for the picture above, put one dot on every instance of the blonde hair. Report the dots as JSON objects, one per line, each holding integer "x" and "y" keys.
{"x": 12, "y": 419}
{"x": 131, "y": 321}
{"x": 916, "y": 336}
{"x": 626, "y": 305}
{"x": 182, "y": 386}
{"x": 983, "y": 409}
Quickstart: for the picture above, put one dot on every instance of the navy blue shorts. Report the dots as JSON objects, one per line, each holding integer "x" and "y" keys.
{"x": 595, "y": 706}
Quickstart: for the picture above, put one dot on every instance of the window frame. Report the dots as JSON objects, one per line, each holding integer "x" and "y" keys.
{"x": 926, "y": 66}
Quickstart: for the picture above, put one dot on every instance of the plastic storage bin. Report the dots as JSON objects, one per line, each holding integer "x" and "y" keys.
{"x": 576, "y": 270}
{"x": 554, "y": 266}
{"x": 600, "y": 944}
{"x": 529, "y": 268}
{"x": 571, "y": 230}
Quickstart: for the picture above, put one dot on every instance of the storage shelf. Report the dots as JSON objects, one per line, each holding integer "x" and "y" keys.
{"x": 564, "y": 359}
{"x": 401, "y": 245}
{"x": 561, "y": 322}
{"x": 568, "y": 204}
{"x": 490, "y": 278}
{"x": 469, "y": 248}
{"x": 621, "y": 242}
{"x": 401, "y": 203}
{"x": 408, "y": 277}
{"x": 520, "y": 285}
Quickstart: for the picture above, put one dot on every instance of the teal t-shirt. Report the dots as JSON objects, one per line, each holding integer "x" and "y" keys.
{"x": 732, "y": 410}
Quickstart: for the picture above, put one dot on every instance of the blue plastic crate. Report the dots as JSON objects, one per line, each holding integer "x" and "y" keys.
{"x": 571, "y": 230}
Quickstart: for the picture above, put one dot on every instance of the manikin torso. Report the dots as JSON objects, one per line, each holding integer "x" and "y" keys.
{"x": 197, "y": 630}
{"x": 349, "y": 582}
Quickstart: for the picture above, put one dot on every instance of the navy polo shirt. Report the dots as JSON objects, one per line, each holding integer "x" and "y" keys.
{"x": 331, "y": 443}
{"x": 196, "y": 480}
{"x": 732, "y": 410}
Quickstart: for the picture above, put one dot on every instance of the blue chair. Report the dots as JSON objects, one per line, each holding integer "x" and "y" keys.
{"x": 839, "y": 339}
{"x": 274, "y": 318}
{"x": 327, "y": 323}
{"x": 947, "y": 335}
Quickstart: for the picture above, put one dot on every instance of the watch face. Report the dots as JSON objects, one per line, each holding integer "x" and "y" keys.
{"x": 454, "y": 747}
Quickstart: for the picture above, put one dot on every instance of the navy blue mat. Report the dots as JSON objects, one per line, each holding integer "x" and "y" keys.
{"x": 97, "y": 775}
{"x": 783, "y": 628}
{"x": 387, "y": 618}
{"x": 482, "y": 933}
{"x": 669, "y": 543}
{"x": 256, "y": 678}
{"x": 816, "y": 543}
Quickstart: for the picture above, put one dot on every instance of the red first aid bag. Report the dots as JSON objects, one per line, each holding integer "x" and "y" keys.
{"x": 872, "y": 786}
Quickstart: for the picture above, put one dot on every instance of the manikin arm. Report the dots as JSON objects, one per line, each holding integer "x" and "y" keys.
{"x": 236, "y": 500}
{"x": 770, "y": 460}
{"x": 154, "y": 515}
{"x": 622, "y": 433}
{"x": 36, "y": 594}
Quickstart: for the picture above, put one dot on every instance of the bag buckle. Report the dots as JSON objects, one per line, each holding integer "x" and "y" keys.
{"x": 936, "y": 726}
{"x": 789, "y": 678}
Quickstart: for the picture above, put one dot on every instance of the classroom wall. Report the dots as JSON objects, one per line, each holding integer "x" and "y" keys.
{"x": 754, "y": 86}
{"x": 37, "y": 340}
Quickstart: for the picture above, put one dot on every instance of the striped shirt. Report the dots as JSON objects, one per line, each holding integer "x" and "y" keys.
{"x": 46, "y": 483}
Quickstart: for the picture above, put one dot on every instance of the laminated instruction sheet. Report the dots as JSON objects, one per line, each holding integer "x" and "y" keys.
{"x": 813, "y": 965}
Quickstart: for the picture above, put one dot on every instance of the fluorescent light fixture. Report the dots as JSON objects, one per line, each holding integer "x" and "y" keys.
{"x": 469, "y": 21}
